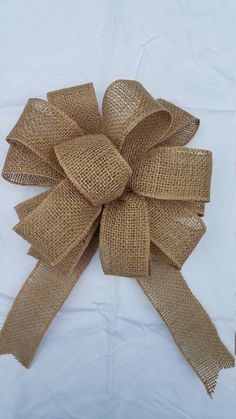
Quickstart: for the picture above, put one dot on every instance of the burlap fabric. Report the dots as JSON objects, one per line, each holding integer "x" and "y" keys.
{"x": 125, "y": 183}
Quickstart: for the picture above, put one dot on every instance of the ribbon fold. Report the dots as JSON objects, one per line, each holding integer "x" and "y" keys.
{"x": 123, "y": 182}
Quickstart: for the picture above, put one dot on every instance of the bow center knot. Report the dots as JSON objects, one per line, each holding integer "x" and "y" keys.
{"x": 95, "y": 167}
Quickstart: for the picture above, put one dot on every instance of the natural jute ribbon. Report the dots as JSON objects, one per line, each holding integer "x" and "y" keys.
{"x": 128, "y": 173}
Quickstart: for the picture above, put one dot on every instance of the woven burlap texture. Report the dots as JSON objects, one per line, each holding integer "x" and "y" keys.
{"x": 123, "y": 182}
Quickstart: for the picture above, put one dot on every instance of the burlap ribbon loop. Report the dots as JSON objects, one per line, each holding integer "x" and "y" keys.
{"x": 95, "y": 167}
{"x": 128, "y": 107}
{"x": 162, "y": 174}
{"x": 128, "y": 172}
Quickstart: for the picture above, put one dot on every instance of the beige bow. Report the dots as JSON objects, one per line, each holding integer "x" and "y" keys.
{"x": 127, "y": 176}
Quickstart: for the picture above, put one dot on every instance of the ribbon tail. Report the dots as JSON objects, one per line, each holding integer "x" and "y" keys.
{"x": 189, "y": 324}
{"x": 36, "y": 305}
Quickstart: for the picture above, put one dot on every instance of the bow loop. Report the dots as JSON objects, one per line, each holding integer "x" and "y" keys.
{"x": 24, "y": 167}
{"x": 133, "y": 119}
{"x": 58, "y": 223}
{"x": 183, "y": 126}
{"x": 95, "y": 167}
{"x": 40, "y": 127}
{"x": 80, "y": 104}
{"x": 174, "y": 173}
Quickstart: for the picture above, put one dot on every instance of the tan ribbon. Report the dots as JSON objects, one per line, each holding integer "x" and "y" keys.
{"x": 128, "y": 172}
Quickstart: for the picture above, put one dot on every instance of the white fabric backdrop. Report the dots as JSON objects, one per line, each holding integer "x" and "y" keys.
{"x": 108, "y": 354}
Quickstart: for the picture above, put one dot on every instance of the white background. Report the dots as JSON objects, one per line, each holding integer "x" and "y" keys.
{"x": 107, "y": 354}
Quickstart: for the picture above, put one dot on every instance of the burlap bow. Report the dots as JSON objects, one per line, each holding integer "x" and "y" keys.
{"x": 129, "y": 173}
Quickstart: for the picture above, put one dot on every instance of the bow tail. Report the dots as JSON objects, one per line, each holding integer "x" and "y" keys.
{"x": 48, "y": 285}
{"x": 188, "y": 322}
{"x": 36, "y": 305}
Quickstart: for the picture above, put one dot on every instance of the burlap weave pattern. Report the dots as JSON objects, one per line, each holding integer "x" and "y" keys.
{"x": 128, "y": 172}
{"x": 188, "y": 323}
